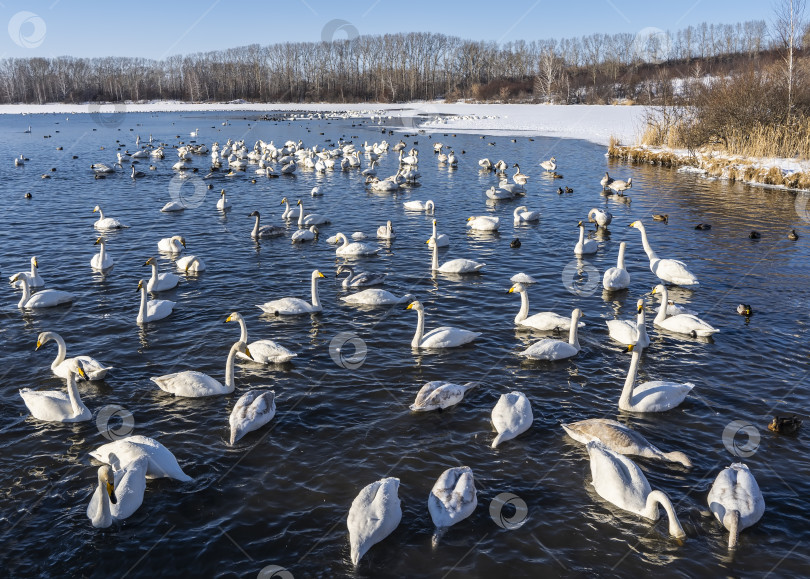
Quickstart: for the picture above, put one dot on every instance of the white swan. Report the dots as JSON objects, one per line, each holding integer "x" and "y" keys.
{"x": 452, "y": 499}
{"x": 499, "y": 194}
{"x": 222, "y": 202}
{"x": 438, "y": 239}
{"x": 553, "y": 350}
{"x": 619, "y": 438}
{"x": 92, "y": 368}
{"x": 359, "y": 279}
{"x": 33, "y": 277}
{"x": 454, "y": 265}
{"x": 46, "y": 298}
{"x": 681, "y": 323}
{"x": 513, "y": 189}
{"x": 443, "y": 337}
{"x": 585, "y": 246}
{"x": 618, "y": 480}
{"x": 190, "y": 264}
{"x": 119, "y": 492}
{"x": 173, "y": 207}
{"x": 550, "y": 165}
{"x": 483, "y": 223}
{"x": 374, "y": 515}
{"x": 253, "y": 410}
{"x": 656, "y": 396}
{"x": 620, "y": 186}
{"x": 106, "y": 223}
{"x": 266, "y": 231}
{"x": 631, "y": 332}
{"x": 376, "y": 297}
{"x": 601, "y": 217}
{"x": 160, "y": 282}
{"x": 523, "y": 215}
{"x": 152, "y": 310}
{"x": 735, "y": 500}
{"x": 261, "y": 351}
{"x": 293, "y": 306}
{"x": 417, "y": 205}
{"x": 58, "y": 406}
{"x": 386, "y": 231}
{"x": 162, "y": 462}
{"x": 438, "y": 395}
{"x": 311, "y": 219}
{"x": 193, "y": 384}
{"x": 354, "y": 249}
{"x": 511, "y": 416}
{"x": 668, "y": 270}
{"x": 303, "y": 235}
{"x": 617, "y": 278}
{"x": 174, "y": 244}
{"x": 543, "y": 321}
{"x": 101, "y": 261}
{"x": 290, "y": 212}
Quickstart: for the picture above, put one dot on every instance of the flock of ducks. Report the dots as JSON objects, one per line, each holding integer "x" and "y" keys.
{"x": 735, "y": 499}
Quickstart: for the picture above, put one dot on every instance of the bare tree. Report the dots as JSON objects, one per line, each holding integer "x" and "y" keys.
{"x": 788, "y": 28}
{"x": 549, "y": 72}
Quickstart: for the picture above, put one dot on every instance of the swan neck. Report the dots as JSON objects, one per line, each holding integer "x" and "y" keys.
{"x": 100, "y": 215}
{"x": 524, "y": 307}
{"x": 34, "y": 270}
{"x": 641, "y": 324}
{"x": 73, "y": 394}
{"x": 573, "y": 336}
{"x": 662, "y": 311}
{"x": 620, "y": 261}
{"x": 154, "y": 279}
{"x": 61, "y": 352}
{"x": 581, "y": 235}
{"x": 627, "y": 390}
{"x": 26, "y": 293}
{"x": 435, "y": 259}
{"x": 301, "y": 214}
{"x": 229, "y": 367}
{"x": 256, "y": 227}
{"x": 243, "y": 337}
{"x": 732, "y": 522}
{"x": 656, "y": 498}
{"x": 142, "y": 310}
{"x": 102, "y": 253}
{"x": 316, "y": 302}
{"x": 420, "y": 329}
{"x": 106, "y": 514}
{"x": 646, "y": 243}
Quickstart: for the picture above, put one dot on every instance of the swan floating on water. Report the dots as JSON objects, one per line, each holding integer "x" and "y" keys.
{"x": 33, "y": 277}
{"x": 265, "y": 231}
{"x": 101, "y": 261}
{"x": 601, "y": 217}
{"x": 92, "y": 368}
{"x": 376, "y": 297}
{"x": 511, "y": 416}
{"x": 303, "y": 235}
{"x": 452, "y": 499}
{"x": 523, "y": 215}
{"x": 119, "y": 492}
{"x": 190, "y": 264}
{"x": 58, "y": 406}
{"x": 631, "y": 332}
{"x": 656, "y": 396}
{"x": 261, "y": 351}
{"x": 418, "y": 205}
{"x": 374, "y": 515}
{"x": 294, "y": 306}
{"x": 553, "y": 350}
{"x": 174, "y": 244}
{"x": 454, "y": 265}
{"x": 438, "y": 239}
{"x": 106, "y": 223}
{"x": 668, "y": 270}
{"x": 617, "y": 278}
{"x": 681, "y": 323}
{"x": 386, "y": 231}
{"x": 354, "y": 249}
{"x": 543, "y": 321}
{"x": 193, "y": 384}
{"x": 359, "y": 279}
{"x": 735, "y": 500}
{"x": 443, "y": 337}
{"x": 160, "y": 282}
{"x": 152, "y": 310}
{"x": 223, "y": 203}
{"x": 162, "y": 462}
{"x": 46, "y": 298}
{"x": 585, "y": 246}
{"x": 253, "y": 410}
{"x": 483, "y": 223}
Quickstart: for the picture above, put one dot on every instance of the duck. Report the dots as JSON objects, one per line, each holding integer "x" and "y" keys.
{"x": 375, "y": 513}
{"x": 119, "y": 492}
{"x": 174, "y": 244}
{"x": 452, "y": 499}
{"x": 46, "y": 298}
{"x": 303, "y": 235}
{"x": 106, "y": 223}
{"x": 375, "y": 297}
{"x": 161, "y": 462}
{"x": 585, "y": 246}
{"x": 295, "y": 306}
{"x": 601, "y": 217}
{"x": 456, "y": 266}
{"x": 483, "y": 223}
{"x": 617, "y": 278}
{"x": 515, "y": 243}
{"x": 511, "y": 416}
{"x": 744, "y": 310}
{"x": 606, "y": 181}
{"x": 661, "y": 217}
{"x": 438, "y": 395}
{"x": 160, "y": 282}
{"x": 190, "y": 264}
{"x": 33, "y": 277}
{"x": 261, "y": 351}
{"x": 223, "y": 203}
{"x": 792, "y": 235}
{"x": 736, "y": 501}
{"x": 656, "y": 396}
{"x": 682, "y": 323}
{"x": 173, "y": 207}
{"x": 290, "y": 212}
{"x": 703, "y": 226}
{"x": 266, "y": 231}
{"x": 549, "y": 165}
{"x": 783, "y": 425}
{"x": 543, "y": 321}
{"x": 553, "y": 350}
{"x": 621, "y": 439}
{"x": 754, "y": 235}
{"x": 58, "y": 406}
{"x": 620, "y": 186}
{"x": 630, "y": 332}
{"x": 386, "y": 231}
{"x": 438, "y": 239}
{"x": 193, "y": 384}
{"x": 439, "y": 338}
{"x": 61, "y": 366}
{"x": 417, "y": 205}
{"x": 668, "y": 270}
{"x": 523, "y": 215}
{"x": 618, "y": 480}
{"x": 101, "y": 261}
{"x": 354, "y": 249}
{"x": 311, "y": 219}
{"x": 152, "y": 310}
{"x": 254, "y": 409}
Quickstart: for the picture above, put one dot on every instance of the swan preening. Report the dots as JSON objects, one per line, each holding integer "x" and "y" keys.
{"x": 443, "y": 337}
{"x": 553, "y": 350}
{"x": 735, "y": 500}
{"x": 374, "y": 514}
{"x": 511, "y": 416}
{"x": 668, "y": 270}
{"x": 601, "y": 217}
{"x": 418, "y": 205}
{"x": 543, "y": 321}
{"x": 91, "y": 368}
{"x": 193, "y": 384}
{"x": 190, "y": 264}
{"x": 618, "y": 480}
{"x": 294, "y": 306}
{"x": 438, "y": 395}
{"x": 523, "y": 215}
{"x": 261, "y": 351}
{"x": 161, "y": 462}
{"x": 58, "y": 406}
{"x": 680, "y": 323}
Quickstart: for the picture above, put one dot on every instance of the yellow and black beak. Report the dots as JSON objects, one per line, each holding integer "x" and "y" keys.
{"x": 247, "y": 353}
{"x": 511, "y": 289}
{"x": 36, "y": 263}
{"x": 140, "y": 286}
{"x": 228, "y": 319}
{"x": 81, "y": 372}
{"x": 653, "y": 290}
{"x": 320, "y": 274}
{"x": 39, "y": 344}
{"x": 640, "y": 308}
{"x": 630, "y": 347}
{"x": 111, "y": 493}
{"x": 410, "y": 306}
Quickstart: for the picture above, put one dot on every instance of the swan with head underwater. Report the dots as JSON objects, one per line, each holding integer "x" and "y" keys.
{"x": 543, "y": 321}
{"x": 261, "y": 351}
{"x": 152, "y": 310}
{"x": 618, "y": 480}
{"x": 61, "y": 366}
{"x": 33, "y": 277}
{"x": 454, "y": 265}
{"x": 58, "y": 406}
{"x": 452, "y": 499}
{"x": 680, "y": 323}
{"x": 631, "y": 332}
{"x": 551, "y": 349}
{"x": 668, "y": 270}
{"x": 736, "y": 501}
{"x": 193, "y": 384}
{"x": 439, "y": 338}
{"x": 253, "y": 410}
{"x": 46, "y": 298}
{"x": 654, "y": 396}
{"x": 294, "y": 306}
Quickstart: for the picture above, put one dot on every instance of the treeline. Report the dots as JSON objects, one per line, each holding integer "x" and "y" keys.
{"x": 396, "y": 67}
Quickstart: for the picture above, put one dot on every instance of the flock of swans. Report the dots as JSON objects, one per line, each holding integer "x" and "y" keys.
{"x": 128, "y": 463}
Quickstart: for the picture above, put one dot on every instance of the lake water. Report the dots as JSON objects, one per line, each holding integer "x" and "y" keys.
{"x": 281, "y": 495}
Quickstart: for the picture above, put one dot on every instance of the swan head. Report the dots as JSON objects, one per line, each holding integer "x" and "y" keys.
{"x": 283, "y": 201}
{"x": 222, "y": 193}
{"x": 179, "y": 238}
{"x": 254, "y": 214}
{"x": 317, "y": 275}
{"x": 151, "y": 261}
{"x": 580, "y": 224}
{"x": 659, "y": 289}
{"x": 96, "y": 209}
{"x": 140, "y": 285}
{"x": 415, "y": 305}
{"x": 640, "y": 305}
{"x": 99, "y": 241}
{"x": 299, "y": 202}
{"x": 34, "y": 262}
{"x": 577, "y": 314}
{"x": 518, "y": 287}
{"x": 233, "y": 317}
{"x": 344, "y": 269}
{"x": 44, "y": 338}
{"x": 75, "y": 366}
{"x": 106, "y": 480}
{"x": 636, "y": 225}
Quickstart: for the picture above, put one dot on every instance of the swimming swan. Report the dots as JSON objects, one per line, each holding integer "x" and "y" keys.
{"x": 376, "y": 297}
{"x": 483, "y": 223}
{"x": 58, "y": 406}
{"x": 359, "y": 279}
{"x": 101, "y": 261}
{"x": 443, "y": 337}
{"x": 266, "y": 231}
{"x": 543, "y": 321}
{"x": 119, "y": 492}
{"x": 585, "y": 246}
{"x": 192, "y": 384}
{"x": 439, "y": 239}
{"x": 454, "y": 265}
{"x": 33, "y": 277}
{"x": 656, "y": 396}
{"x": 452, "y": 499}
{"x": 91, "y": 367}
{"x": 523, "y": 215}
{"x": 735, "y": 500}
{"x": 293, "y": 306}
{"x": 106, "y": 223}
{"x": 551, "y": 349}
{"x": 173, "y": 244}
{"x": 386, "y": 231}
{"x": 355, "y": 248}
{"x": 152, "y": 310}
{"x": 261, "y": 351}
{"x": 617, "y": 278}
{"x": 417, "y": 205}
{"x": 631, "y": 332}
{"x": 46, "y": 298}
{"x": 162, "y": 462}
{"x": 190, "y": 264}
{"x": 253, "y": 410}
{"x": 160, "y": 282}
{"x": 374, "y": 515}
{"x": 438, "y": 395}
{"x": 681, "y": 323}
{"x": 668, "y": 270}
{"x": 511, "y": 416}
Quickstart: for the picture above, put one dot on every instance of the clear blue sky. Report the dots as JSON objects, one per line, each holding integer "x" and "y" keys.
{"x": 161, "y": 29}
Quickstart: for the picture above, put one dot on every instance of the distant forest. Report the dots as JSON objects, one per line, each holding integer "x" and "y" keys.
{"x": 599, "y": 68}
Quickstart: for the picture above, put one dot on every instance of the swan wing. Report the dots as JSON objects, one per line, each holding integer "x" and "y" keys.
{"x": 617, "y": 479}
{"x": 51, "y": 406}
{"x": 673, "y": 271}
{"x": 374, "y": 515}
{"x": 268, "y": 352}
{"x": 453, "y": 497}
{"x": 447, "y": 337}
{"x": 549, "y": 349}
{"x": 511, "y": 416}
{"x": 162, "y": 463}
{"x": 287, "y": 307}
{"x": 461, "y": 266}
{"x": 659, "y": 396}
{"x": 49, "y": 298}
{"x": 189, "y": 384}
{"x": 130, "y": 485}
